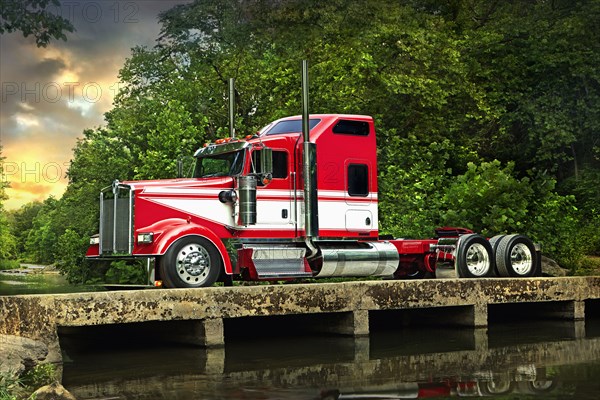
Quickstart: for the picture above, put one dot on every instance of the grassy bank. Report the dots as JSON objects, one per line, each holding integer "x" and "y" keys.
{"x": 590, "y": 265}
{"x": 9, "y": 264}
{"x": 14, "y": 387}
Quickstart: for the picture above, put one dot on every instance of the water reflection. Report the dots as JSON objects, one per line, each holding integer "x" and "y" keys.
{"x": 410, "y": 363}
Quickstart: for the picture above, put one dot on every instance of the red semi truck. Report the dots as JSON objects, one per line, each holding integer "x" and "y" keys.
{"x": 298, "y": 199}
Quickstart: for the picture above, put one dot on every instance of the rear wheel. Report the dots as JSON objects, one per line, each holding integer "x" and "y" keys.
{"x": 516, "y": 256}
{"x": 191, "y": 262}
{"x": 494, "y": 242}
{"x": 474, "y": 257}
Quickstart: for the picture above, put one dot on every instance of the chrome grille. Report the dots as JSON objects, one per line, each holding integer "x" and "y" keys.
{"x": 116, "y": 220}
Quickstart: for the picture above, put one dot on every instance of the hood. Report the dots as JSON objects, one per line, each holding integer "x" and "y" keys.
{"x": 225, "y": 182}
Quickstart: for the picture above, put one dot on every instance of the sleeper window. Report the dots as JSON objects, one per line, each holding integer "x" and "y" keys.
{"x": 358, "y": 180}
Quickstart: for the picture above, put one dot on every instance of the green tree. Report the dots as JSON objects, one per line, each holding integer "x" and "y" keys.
{"x": 41, "y": 240}
{"x": 22, "y": 223}
{"x": 33, "y": 17}
{"x": 453, "y": 86}
{"x": 98, "y": 159}
{"x": 7, "y": 240}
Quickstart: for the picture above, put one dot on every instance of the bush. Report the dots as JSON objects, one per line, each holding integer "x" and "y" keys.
{"x": 488, "y": 199}
{"x": 13, "y": 387}
{"x": 412, "y": 176}
{"x": 491, "y": 200}
{"x": 9, "y": 264}
{"x": 126, "y": 272}
{"x": 38, "y": 376}
{"x": 591, "y": 233}
{"x": 70, "y": 258}
{"x": 10, "y": 384}
{"x": 555, "y": 223}
{"x": 589, "y": 265}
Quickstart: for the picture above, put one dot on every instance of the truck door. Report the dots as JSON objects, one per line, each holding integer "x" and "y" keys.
{"x": 274, "y": 199}
{"x": 361, "y": 211}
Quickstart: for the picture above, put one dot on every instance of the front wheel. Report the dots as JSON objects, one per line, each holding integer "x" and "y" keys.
{"x": 190, "y": 262}
{"x": 474, "y": 257}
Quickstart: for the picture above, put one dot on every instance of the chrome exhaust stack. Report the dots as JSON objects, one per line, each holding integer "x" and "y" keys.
{"x": 232, "y": 107}
{"x": 309, "y": 167}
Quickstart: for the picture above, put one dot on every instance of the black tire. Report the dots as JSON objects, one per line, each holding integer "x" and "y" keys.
{"x": 516, "y": 257}
{"x": 474, "y": 257}
{"x": 190, "y": 262}
{"x": 494, "y": 242}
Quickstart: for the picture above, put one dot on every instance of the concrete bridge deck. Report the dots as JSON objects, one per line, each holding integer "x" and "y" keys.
{"x": 341, "y": 308}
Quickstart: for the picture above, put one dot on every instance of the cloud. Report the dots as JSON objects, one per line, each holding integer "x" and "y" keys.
{"x": 37, "y": 190}
{"x": 50, "y": 95}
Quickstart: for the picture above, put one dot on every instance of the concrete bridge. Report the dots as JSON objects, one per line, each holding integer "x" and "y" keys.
{"x": 200, "y": 316}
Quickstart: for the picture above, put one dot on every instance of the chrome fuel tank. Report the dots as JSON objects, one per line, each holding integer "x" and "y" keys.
{"x": 362, "y": 259}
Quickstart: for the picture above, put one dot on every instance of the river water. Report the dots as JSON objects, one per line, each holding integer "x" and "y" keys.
{"x": 509, "y": 360}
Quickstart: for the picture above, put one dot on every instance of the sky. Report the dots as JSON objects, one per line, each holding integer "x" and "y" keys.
{"x": 50, "y": 95}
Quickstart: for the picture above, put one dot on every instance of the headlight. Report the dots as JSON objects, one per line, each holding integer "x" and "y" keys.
{"x": 95, "y": 240}
{"x": 145, "y": 238}
{"x": 228, "y": 196}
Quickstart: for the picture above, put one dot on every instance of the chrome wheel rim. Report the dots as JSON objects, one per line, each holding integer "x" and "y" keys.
{"x": 193, "y": 263}
{"x": 478, "y": 260}
{"x": 521, "y": 259}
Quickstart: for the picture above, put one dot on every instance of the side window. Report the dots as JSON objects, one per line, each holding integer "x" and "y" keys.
{"x": 280, "y": 164}
{"x": 358, "y": 180}
{"x": 349, "y": 127}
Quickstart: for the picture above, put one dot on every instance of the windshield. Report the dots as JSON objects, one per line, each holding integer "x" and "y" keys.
{"x": 290, "y": 126}
{"x": 226, "y": 164}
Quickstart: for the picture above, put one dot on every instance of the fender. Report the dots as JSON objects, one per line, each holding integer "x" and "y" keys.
{"x": 173, "y": 229}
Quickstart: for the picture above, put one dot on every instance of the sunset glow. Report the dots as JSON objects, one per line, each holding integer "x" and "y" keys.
{"x": 50, "y": 95}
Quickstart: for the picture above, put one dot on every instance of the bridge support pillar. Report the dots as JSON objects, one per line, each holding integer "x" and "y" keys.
{"x": 204, "y": 333}
{"x": 351, "y": 323}
{"x": 480, "y": 315}
{"x": 360, "y": 322}
{"x": 475, "y": 316}
{"x": 579, "y": 310}
{"x": 209, "y": 332}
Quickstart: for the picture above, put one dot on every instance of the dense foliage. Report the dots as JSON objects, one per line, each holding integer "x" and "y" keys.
{"x": 18, "y": 387}
{"x": 7, "y": 240}
{"x": 488, "y": 113}
{"x": 34, "y": 17}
